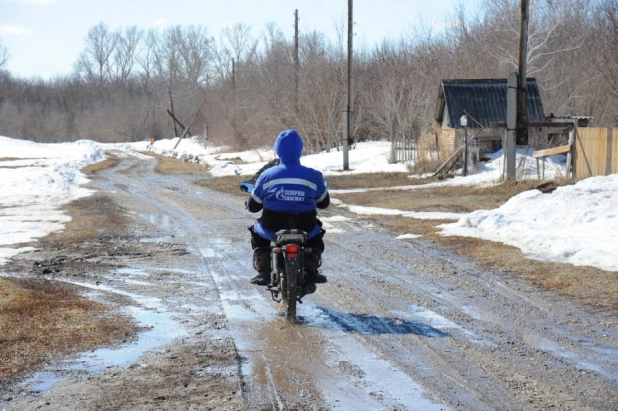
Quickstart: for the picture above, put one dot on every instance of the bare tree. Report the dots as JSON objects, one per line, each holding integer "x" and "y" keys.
{"x": 604, "y": 50}
{"x": 195, "y": 54}
{"x": 4, "y": 55}
{"x": 126, "y": 52}
{"x": 95, "y": 62}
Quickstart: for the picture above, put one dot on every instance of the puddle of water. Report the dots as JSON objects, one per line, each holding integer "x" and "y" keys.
{"x": 137, "y": 282}
{"x": 171, "y": 270}
{"x": 207, "y": 246}
{"x": 160, "y": 220}
{"x": 207, "y": 252}
{"x": 435, "y": 320}
{"x": 380, "y": 385}
{"x": 133, "y": 271}
{"x": 598, "y": 369}
{"x": 163, "y": 239}
{"x": 163, "y": 328}
{"x": 239, "y": 313}
{"x": 542, "y": 343}
{"x": 485, "y": 316}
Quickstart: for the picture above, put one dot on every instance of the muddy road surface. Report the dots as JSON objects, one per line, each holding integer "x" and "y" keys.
{"x": 401, "y": 324}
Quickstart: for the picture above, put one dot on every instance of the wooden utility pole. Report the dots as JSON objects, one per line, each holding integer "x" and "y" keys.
{"x": 172, "y": 112}
{"x": 234, "y": 98}
{"x": 349, "y": 107}
{"x": 186, "y": 130}
{"x": 176, "y": 121}
{"x": 511, "y": 127}
{"x": 296, "y": 61}
{"x": 234, "y": 75}
{"x": 522, "y": 117}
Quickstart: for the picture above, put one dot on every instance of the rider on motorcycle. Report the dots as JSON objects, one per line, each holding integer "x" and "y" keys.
{"x": 288, "y": 194}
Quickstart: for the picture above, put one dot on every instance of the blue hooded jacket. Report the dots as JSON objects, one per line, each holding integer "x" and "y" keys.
{"x": 290, "y": 187}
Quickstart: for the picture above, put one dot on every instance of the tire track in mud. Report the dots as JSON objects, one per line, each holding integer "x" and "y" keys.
{"x": 400, "y": 325}
{"x": 522, "y": 319}
{"x": 462, "y": 330}
{"x": 237, "y": 299}
{"x": 244, "y": 307}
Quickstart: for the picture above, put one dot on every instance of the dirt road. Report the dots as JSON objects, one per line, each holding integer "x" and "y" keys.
{"x": 401, "y": 324}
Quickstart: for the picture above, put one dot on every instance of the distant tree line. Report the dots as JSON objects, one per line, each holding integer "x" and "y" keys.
{"x": 122, "y": 81}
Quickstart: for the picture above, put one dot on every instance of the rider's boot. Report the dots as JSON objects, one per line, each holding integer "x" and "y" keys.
{"x": 312, "y": 262}
{"x": 261, "y": 262}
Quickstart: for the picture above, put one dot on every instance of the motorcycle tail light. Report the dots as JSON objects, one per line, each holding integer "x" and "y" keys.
{"x": 292, "y": 250}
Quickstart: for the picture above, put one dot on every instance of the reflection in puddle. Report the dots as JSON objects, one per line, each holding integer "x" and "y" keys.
{"x": 598, "y": 369}
{"x": 397, "y": 390}
{"x": 542, "y": 343}
{"x": 485, "y": 316}
{"x": 435, "y": 320}
{"x": 132, "y": 271}
{"x": 160, "y": 220}
{"x": 161, "y": 327}
{"x": 207, "y": 252}
{"x": 200, "y": 241}
{"x": 207, "y": 246}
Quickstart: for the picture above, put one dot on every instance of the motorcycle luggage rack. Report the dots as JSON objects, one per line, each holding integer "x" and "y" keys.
{"x": 290, "y": 236}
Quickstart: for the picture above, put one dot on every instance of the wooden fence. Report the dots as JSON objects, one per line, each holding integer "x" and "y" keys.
{"x": 403, "y": 149}
{"x": 596, "y": 152}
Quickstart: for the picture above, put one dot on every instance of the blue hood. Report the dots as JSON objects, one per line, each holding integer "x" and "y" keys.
{"x": 289, "y": 146}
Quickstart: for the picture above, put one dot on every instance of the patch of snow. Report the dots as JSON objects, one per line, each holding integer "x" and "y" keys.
{"x": 577, "y": 224}
{"x": 34, "y": 187}
{"x": 335, "y": 218}
{"x": 424, "y": 215}
{"x": 408, "y": 236}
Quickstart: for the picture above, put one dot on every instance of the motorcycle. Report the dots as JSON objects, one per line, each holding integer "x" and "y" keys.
{"x": 288, "y": 284}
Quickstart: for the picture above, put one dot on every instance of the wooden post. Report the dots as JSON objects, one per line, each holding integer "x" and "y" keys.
{"x": 569, "y": 159}
{"x": 349, "y": 107}
{"x": 393, "y": 144}
{"x": 172, "y": 113}
{"x": 522, "y": 115}
{"x": 186, "y": 130}
{"x": 510, "y": 152}
{"x": 465, "y": 165}
{"x": 177, "y": 121}
{"x": 296, "y": 62}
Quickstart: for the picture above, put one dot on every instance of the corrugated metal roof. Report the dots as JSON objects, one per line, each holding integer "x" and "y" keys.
{"x": 484, "y": 100}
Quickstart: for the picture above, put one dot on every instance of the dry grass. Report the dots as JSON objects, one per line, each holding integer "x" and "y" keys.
{"x": 373, "y": 180}
{"x": 168, "y": 165}
{"x": 109, "y": 162}
{"x": 41, "y": 319}
{"x": 427, "y": 160}
{"x": 14, "y": 158}
{"x": 457, "y": 199}
{"x": 592, "y": 286}
{"x": 227, "y": 184}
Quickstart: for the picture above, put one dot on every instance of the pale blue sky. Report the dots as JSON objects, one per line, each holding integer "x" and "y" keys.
{"x": 45, "y": 37}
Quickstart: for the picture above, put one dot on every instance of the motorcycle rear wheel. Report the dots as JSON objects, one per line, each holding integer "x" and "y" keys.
{"x": 289, "y": 290}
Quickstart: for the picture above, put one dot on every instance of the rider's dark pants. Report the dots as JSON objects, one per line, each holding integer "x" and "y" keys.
{"x": 316, "y": 242}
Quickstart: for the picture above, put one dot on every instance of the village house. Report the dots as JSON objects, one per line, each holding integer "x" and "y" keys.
{"x": 484, "y": 101}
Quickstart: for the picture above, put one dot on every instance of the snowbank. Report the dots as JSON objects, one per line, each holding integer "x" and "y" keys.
{"x": 364, "y": 158}
{"x": 35, "y": 181}
{"x": 577, "y": 224}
